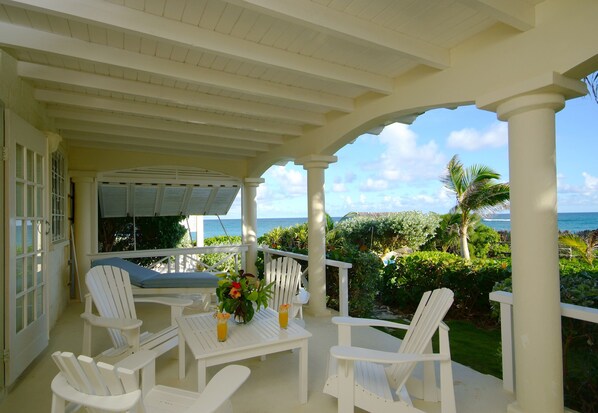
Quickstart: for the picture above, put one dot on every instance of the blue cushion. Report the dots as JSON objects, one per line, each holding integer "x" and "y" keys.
{"x": 145, "y": 278}
{"x": 137, "y": 273}
{"x": 182, "y": 280}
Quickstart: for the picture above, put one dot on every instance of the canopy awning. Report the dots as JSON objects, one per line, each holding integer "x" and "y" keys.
{"x": 145, "y": 192}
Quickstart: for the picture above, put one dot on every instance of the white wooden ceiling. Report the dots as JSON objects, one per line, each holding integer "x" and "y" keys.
{"x": 229, "y": 79}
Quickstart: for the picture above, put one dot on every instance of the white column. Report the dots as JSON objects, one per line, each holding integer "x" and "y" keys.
{"x": 85, "y": 225}
{"x": 316, "y": 216}
{"x": 534, "y": 246}
{"x": 250, "y": 221}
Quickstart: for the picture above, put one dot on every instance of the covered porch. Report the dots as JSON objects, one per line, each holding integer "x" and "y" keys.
{"x": 99, "y": 93}
{"x": 272, "y": 385}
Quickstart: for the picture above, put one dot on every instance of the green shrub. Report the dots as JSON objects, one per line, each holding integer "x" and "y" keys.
{"x": 291, "y": 239}
{"x": 485, "y": 242}
{"x": 407, "y": 278}
{"x": 364, "y": 279}
{"x": 387, "y": 232}
{"x": 227, "y": 264}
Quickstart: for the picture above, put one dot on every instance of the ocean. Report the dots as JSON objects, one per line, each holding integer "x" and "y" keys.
{"x": 567, "y": 221}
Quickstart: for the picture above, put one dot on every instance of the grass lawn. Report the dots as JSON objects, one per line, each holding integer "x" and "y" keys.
{"x": 478, "y": 348}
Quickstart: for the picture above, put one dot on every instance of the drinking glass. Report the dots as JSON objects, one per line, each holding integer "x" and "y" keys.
{"x": 283, "y": 315}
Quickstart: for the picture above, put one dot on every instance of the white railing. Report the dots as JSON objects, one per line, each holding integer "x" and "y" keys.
{"x": 506, "y": 330}
{"x": 343, "y": 274}
{"x": 184, "y": 259}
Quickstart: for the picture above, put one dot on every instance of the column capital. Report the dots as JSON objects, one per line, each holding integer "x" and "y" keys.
{"x": 537, "y": 92}
{"x": 83, "y": 176}
{"x": 255, "y": 182}
{"x": 316, "y": 161}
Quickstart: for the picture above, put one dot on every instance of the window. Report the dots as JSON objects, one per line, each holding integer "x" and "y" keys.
{"x": 58, "y": 197}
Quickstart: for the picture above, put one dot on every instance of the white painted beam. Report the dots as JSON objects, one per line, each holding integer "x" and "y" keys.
{"x": 152, "y": 143}
{"x": 151, "y": 134}
{"x": 61, "y": 112}
{"x": 351, "y": 28}
{"x": 136, "y": 22}
{"x": 44, "y": 42}
{"x": 166, "y": 94}
{"x": 75, "y": 141}
{"x": 516, "y": 13}
{"x": 164, "y": 112}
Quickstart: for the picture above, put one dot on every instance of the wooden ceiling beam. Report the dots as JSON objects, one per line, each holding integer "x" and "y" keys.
{"x": 351, "y": 28}
{"x": 128, "y": 20}
{"x": 21, "y": 37}
{"x": 164, "y": 112}
{"x": 38, "y": 72}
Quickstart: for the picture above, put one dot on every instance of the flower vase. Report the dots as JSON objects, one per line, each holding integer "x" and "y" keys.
{"x": 244, "y": 312}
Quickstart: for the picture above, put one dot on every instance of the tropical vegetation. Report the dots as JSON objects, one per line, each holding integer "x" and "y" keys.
{"x": 476, "y": 190}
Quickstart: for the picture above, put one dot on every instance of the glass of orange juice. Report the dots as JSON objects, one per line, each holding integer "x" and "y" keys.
{"x": 222, "y": 325}
{"x": 283, "y": 315}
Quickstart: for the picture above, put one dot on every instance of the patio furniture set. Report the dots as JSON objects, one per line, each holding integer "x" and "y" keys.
{"x": 373, "y": 380}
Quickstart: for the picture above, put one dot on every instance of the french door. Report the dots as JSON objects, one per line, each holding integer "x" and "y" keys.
{"x": 26, "y": 320}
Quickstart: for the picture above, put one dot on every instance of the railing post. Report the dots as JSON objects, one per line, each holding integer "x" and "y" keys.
{"x": 508, "y": 359}
{"x": 506, "y": 335}
{"x": 343, "y": 277}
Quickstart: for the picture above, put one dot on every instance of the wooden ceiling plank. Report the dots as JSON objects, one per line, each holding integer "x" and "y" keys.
{"x": 515, "y": 13}
{"x": 75, "y": 142}
{"x": 165, "y": 112}
{"x": 154, "y": 26}
{"x": 166, "y": 94}
{"x": 354, "y": 29}
{"x": 138, "y": 132}
{"x": 59, "y": 112}
{"x": 22, "y": 37}
{"x": 152, "y": 143}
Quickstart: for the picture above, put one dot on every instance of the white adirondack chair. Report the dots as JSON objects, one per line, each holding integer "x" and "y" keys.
{"x": 286, "y": 273}
{"x": 110, "y": 291}
{"x": 101, "y": 387}
{"x": 379, "y": 381}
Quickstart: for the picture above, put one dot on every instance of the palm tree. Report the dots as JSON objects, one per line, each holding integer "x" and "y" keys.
{"x": 584, "y": 245}
{"x": 477, "y": 191}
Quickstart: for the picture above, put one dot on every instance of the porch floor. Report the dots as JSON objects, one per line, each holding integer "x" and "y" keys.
{"x": 272, "y": 385}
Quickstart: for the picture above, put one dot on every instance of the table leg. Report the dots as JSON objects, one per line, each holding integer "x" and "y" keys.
{"x": 303, "y": 372}
{"x": 201, "y": 375}
{"x": 181, "y": 356}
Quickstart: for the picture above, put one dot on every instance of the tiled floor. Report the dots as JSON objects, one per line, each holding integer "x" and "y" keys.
{"x": 272, "y": 385}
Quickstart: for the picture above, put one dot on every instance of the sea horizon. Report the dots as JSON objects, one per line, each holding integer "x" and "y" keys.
{"x": 567, "y": 221}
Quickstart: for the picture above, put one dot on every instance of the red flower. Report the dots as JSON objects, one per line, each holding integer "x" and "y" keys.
{"x": 235, "y": 292}
{"x": 236, "y": 285}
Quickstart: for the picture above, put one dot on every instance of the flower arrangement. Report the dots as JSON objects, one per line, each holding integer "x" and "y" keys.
{"x": 237, "y": 294}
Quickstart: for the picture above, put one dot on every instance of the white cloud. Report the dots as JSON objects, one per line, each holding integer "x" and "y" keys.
{"x": 288, "y": 180}
{"x": 374, "y": 185}
{"x": 339, "y": 187}
{"x": 590, "y": 182}
{"x": 471, "y": 139}
{"x": 404, "y": 160}
{"x": 350, "y": 177}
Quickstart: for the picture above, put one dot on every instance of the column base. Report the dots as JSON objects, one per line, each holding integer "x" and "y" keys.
{"x": 316, "y": 312}
{"x": 515, "y": 408}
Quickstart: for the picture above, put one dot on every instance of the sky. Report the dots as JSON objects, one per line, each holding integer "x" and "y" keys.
{"x": 400, "y": 169}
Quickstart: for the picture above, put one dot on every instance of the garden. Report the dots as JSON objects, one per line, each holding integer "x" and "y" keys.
{"x": 398, "y": 256}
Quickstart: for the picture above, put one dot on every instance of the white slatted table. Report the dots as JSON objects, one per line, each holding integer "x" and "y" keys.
{"x": 260, "y": 337}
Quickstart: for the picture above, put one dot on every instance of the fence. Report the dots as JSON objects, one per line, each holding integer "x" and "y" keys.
{"x": 185, "y": 259}
{"x": 343, "y": 274}
{"x": 506, "y": 327}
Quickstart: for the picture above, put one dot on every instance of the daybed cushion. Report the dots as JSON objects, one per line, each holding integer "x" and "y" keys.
{"x": 145, "y": 278}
